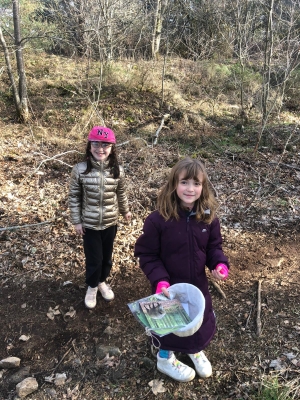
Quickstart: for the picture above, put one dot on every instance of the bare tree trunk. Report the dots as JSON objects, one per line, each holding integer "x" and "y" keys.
{"x": 292, "y": 49}
{"x": 157, "y": 28}
{"x": 268, "y": 54}
{"x": 240, "y": 51}
{"x": 20, "y": 89}
{"x": 9, "y": 70}
{"x": 22, "y": 107}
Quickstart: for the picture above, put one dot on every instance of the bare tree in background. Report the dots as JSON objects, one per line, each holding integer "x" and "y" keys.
{"x": 281, "y": 55}
{"x": 291, "y": 46}
{"x": 159, "y": 15}
{"x": 97, "y": 28}
{"x": 246, "y": 24}
{"x": 268, "y": 55}
{"x": 19, "y": 88}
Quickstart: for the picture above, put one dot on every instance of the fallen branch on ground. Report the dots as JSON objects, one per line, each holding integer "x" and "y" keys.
{"x": 284, "y": 165}
{"x": 61, "y": 360}
{"x": 12, "y": 228}
{"x": 217, "y": 287}
{"x": 51, "y": 158}
{"x": 54, "y": 158}
{"x": 165, "y": 117}
{"x": 258, "y": 320}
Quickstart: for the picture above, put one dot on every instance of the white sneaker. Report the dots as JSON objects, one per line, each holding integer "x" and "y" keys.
{"x": 202, "y": 365}
{"x": 90, "y": 300}
{"x": 175, "y": 369}
{"x": 106, "y": 291}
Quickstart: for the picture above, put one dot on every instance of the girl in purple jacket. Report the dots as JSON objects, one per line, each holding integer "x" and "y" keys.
{"x": 178, "y": 241}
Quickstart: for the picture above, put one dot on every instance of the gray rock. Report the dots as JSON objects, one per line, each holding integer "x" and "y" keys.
{"x": 147, "y": 363}
{"x": 20, "y": 375}
{"x": 27, "y": 386}
{"x": 60, "y": 379}
{"x": 51, "y": 393}
{"x": 10, "y": 362}
{"x": 277, "y": 364}
{"x": 101, "y": 351}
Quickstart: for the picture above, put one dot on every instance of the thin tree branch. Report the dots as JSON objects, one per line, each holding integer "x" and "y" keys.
{"x": 217, "y": 287}
{"x": 12, "y": 228}
{"x": 258, "y": 319}
{"x": 284, "y": 165}
{"x": 54, "y": 158}
{"x": 165, "y": 117}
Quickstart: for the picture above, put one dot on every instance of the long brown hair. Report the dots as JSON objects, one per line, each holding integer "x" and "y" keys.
{"x": 168, "y": 202}
{"x": 113, "y": 162}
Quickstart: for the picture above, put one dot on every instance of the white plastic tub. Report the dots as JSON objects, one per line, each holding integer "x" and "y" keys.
{"x": 193, "y": 301}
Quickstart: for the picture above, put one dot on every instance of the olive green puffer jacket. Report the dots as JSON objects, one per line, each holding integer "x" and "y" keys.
{"x": 96, "y": 199}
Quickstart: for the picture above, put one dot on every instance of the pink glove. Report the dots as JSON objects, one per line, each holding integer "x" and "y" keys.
{"x": 223, "y": 270}
{"x": 160, "y": 285}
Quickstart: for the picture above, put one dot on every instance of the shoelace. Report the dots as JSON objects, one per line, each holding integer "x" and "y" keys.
{"x": 198, "y": 356}
{"x": 177, "y": 365}
{"x": 200, "y": 360}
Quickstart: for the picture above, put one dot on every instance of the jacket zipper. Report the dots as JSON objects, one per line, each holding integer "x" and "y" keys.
{"x": 191, "y": 246}
{"x": 101, "y": 193}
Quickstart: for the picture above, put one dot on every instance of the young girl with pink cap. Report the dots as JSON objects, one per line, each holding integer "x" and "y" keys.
{"x": 96, "y": 197}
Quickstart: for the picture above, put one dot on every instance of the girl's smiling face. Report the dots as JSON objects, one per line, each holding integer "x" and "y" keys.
{"x": 188, "y": 190}
{"x": 101, "y": 150}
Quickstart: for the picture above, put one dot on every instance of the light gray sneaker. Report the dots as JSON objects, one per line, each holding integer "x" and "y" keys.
{"x": 175, "y": 369}
{"x": 90, "y": 300}
{"x": 202, "y": 365}
{"x": 106, "y": 291}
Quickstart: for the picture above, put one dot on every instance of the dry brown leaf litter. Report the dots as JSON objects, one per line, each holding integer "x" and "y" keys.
{"x": 259, "y": 210}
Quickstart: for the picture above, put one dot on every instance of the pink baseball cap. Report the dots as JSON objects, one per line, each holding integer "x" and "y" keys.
{"x": 101, "y": 134}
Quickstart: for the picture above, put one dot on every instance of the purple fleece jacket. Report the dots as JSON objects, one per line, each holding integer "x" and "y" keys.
{"x": 178, "y": 251}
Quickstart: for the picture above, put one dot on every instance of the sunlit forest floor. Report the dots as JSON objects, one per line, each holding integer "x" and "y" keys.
{"x": 41, "y": 260}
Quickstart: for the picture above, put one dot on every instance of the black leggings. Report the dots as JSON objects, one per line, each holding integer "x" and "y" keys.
{"x": 98, "y": 248}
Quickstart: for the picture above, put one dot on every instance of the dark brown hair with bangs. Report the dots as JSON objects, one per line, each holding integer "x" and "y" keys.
{"x": 168, "y": 202}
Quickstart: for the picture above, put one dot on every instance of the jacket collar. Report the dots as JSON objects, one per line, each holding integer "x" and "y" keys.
{"x": 187, "y": 213}
{"x": 99, "y": 164}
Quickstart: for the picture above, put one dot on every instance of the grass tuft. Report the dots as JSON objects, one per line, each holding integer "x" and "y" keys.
{"x": 274, "y": 388}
